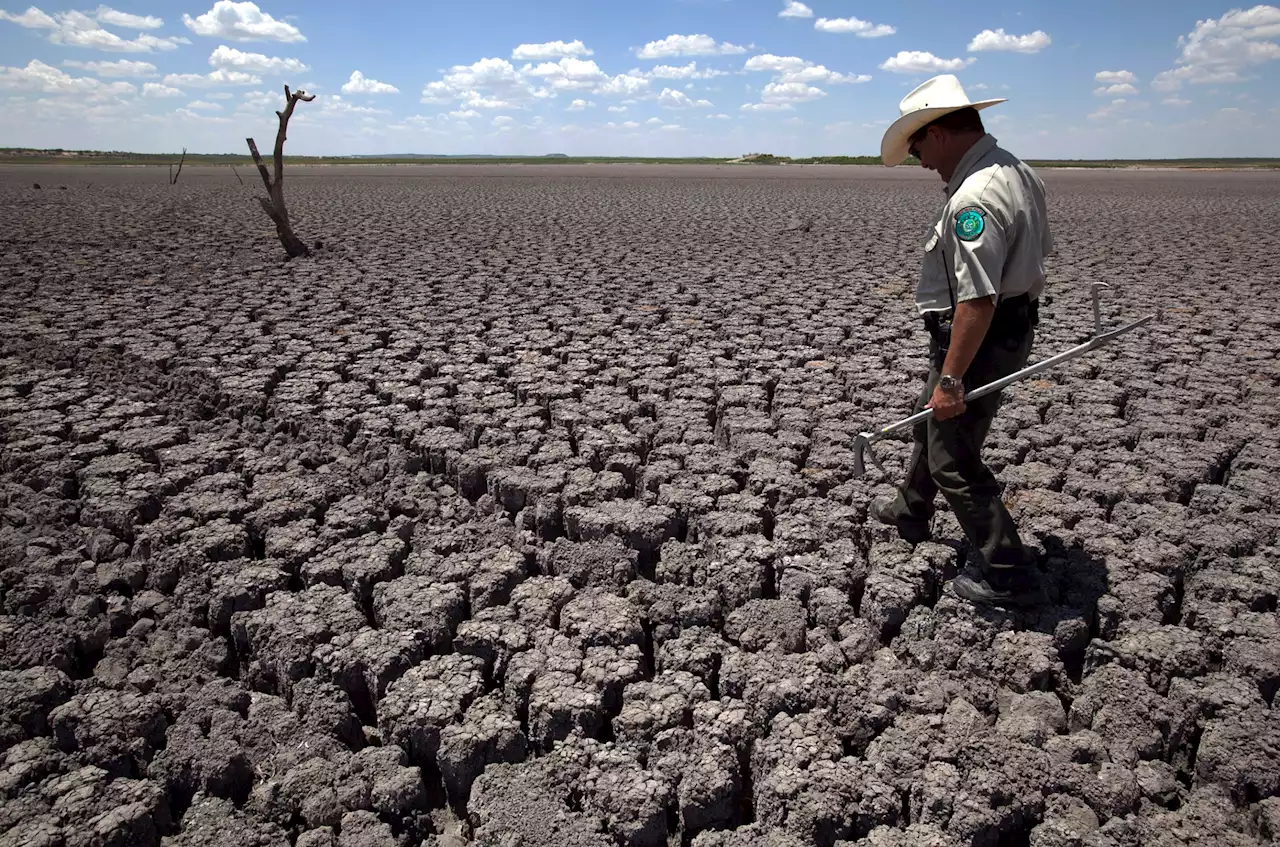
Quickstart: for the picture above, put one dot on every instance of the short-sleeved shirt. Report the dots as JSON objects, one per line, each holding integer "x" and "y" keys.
{"x": 993, "y": 234}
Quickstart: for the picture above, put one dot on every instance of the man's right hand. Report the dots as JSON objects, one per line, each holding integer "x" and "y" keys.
{"x": 947, "y": 404}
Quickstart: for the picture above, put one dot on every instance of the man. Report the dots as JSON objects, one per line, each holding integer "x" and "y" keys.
{"x": 980, "y": 282}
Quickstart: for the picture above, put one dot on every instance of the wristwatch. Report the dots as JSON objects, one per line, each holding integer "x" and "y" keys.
{"x": 947, "y": 382}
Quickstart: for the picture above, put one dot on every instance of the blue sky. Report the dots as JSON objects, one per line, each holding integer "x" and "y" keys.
{"x": 1085, "y": 79}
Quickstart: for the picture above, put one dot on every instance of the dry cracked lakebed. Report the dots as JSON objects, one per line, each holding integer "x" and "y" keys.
{"x": 522, "y": 513}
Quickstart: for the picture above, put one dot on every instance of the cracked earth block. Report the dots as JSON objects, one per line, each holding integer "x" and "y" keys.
{"x": 276, "y": 641}
{"x": 490, "y": 732}
{"x": 429, "y": 697}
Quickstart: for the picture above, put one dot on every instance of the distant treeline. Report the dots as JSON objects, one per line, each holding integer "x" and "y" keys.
{"x": 116, "y": 157}
{"x": 13, "y": 155}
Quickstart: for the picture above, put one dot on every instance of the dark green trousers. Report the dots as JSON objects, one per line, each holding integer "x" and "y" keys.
{"x": 947, "y": 457}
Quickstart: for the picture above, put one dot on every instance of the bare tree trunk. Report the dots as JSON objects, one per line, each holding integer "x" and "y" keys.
{"x": 173, "y": 178}
{"x": 273, "y": 204}
{"x": 237, "y": 173}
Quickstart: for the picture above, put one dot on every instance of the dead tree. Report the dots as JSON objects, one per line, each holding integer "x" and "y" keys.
{"x": 173, "y": 178}
{"x": 274, "y": 204}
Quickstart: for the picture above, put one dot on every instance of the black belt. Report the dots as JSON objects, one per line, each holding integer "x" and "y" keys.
{"x": 1012, "y": 318}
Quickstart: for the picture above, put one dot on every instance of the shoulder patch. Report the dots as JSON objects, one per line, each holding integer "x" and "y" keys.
{"x": 970, "y": 223}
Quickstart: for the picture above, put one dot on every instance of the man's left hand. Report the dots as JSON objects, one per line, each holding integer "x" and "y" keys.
{"x": 947, "y": 404}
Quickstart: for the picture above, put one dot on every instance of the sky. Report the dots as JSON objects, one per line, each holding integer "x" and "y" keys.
{"x": 1083, "y": 79}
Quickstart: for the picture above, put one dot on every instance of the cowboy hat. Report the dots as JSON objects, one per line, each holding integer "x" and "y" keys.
{"x": 929, "y": 101}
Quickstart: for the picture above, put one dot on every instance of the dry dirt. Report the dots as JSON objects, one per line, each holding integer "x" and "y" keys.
{"x": 522, "y": 513}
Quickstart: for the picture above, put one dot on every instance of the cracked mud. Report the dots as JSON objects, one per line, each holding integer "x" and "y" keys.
{"x": 522, "y": 512}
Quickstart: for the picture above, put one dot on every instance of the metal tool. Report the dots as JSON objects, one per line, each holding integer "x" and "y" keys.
{"x": 862, "y": 444}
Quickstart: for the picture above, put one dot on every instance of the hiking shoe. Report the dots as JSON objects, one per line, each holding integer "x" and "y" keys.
{"x": 909, "y": 530}
{"x": 1019, "y": 586}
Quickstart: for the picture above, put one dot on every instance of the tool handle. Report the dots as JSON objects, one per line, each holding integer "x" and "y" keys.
{"x": 1095, "y": 341}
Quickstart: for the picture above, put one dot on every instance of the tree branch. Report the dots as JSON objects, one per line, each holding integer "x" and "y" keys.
{"x": 173, "y": 180}
{"x": 262, "y": 168}
{"x": 273, "y": 204}
{"x": 270, "y": 209}
{"x": 292, "y": 100}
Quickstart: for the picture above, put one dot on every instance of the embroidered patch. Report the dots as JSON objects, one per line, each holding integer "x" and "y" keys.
{"x": 969, "y": 223}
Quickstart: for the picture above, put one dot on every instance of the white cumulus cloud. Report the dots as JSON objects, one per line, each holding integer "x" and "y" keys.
{"x": 122, "y": 68}
{"x": 671, "y": 98}
{"x": 569, "y": 74}
{"x": 578, "y": 105}
{"x": 100, "y": 39}
{"x": 1221, "y": 50}
{"x": 241, "y": 21}
{"x": 550, "y": 50}
{"x": 334, "y": 105}
{"x": 862, "y": 29}
{"x": 111, "y": 17}
{"x": 584, "y": 75}
{"x": 1117, "y": 107}
{"x": 689, "y": 71}
{"x": 229, "y": 58}
{"x": 618, "y": 109}
{"x": 790, "y": 92}
{"x": 770, "y": 62}
{"x": 795, "y": 9}
{"x": 999, "y": 40}
{"x": 46, "y": 79}
{"x": 1116, "y": 77}
{"x": 78, "y": 29}
{"x": 475, "y": 100}
{"x": 1118, "y": 90}
{"x": 795, "y": 80}
{"x": 188, "y": 114}
{"x": 359, "y": 84}
{"x": 795, "y": 69}
{"x": 262, "y": 100}
{"x": 766, "y": 107}
{"x": 222, "y": 76}
{"x": 32, "y": 18}
{"x": 623, "y": 85}
{"x": 687, "y": 45}
{"x": 204, "y": 106}
{"x": 489, "y": 78}
{"x": 921, "y": 62}
{"x": 155, "y": 89}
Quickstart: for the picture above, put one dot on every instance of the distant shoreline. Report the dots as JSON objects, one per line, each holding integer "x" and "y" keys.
{"x": 17, "y": 156}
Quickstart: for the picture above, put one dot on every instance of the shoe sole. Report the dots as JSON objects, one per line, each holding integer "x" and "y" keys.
{"x": 1022, "y": 600}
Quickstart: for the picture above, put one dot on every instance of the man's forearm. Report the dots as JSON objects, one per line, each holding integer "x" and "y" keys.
{"x": 968, "y": 328}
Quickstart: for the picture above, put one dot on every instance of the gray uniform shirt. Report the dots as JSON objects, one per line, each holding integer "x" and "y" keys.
{"x": 993, "y": 234}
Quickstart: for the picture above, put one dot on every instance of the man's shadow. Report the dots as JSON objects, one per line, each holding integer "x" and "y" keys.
{"x": 1074, "y": 581}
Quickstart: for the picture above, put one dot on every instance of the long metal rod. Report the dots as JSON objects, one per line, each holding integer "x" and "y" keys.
{"x": 862, "y": 443}
{"x": 1094, "y": 342}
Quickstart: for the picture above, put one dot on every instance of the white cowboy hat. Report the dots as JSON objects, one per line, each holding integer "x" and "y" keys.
{"x": 930, "y": 100}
